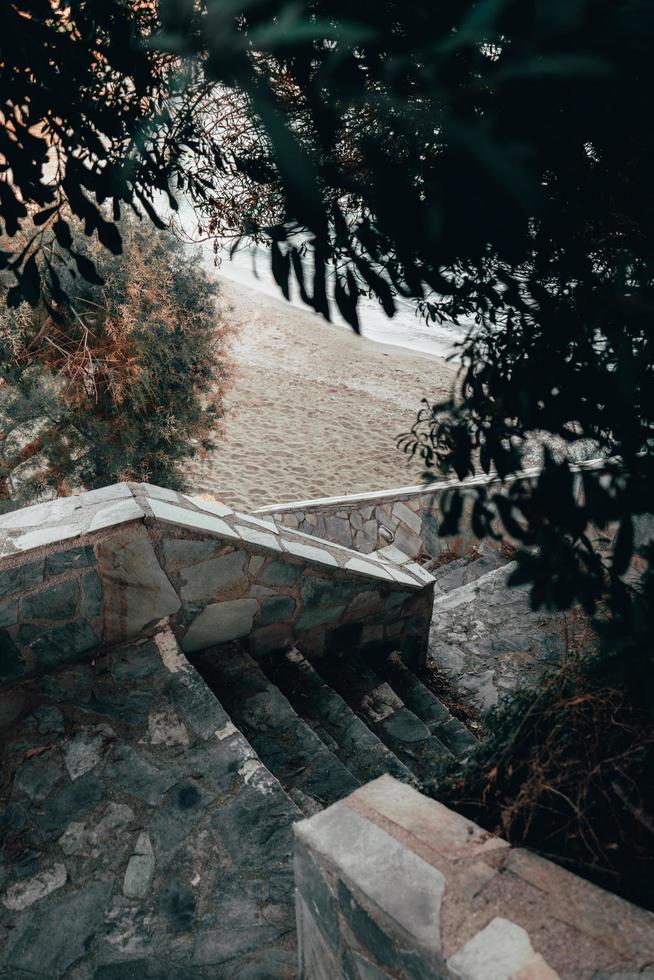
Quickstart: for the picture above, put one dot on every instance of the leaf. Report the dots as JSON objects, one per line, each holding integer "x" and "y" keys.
{"x": 14, "y": 297}
{"x": 109, "y": 236}
{"x": 346, "y": 300}
{"x": 62, "y": 233}
{"x": 30, "y": 282}
{"x": 41, "y": 217}
{"x": 378, "y": 285}
{"x": 452, "y": 508}
{"x": 281, "y": 267}
{"x": 298, "y": 269}
{"x": 87, "y": 269}
{"x": 151, "y": 213}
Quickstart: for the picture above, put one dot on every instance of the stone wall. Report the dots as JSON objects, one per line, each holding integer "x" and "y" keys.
{"x": 390, "y": 884}
{"x": 407, "y": 517}
{"x": 97, "y": 569}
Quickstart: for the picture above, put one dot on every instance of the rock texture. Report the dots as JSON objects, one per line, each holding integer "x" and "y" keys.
{"x": 393, "y": 885}
{"x": 105, "y": 566}
{"x": 140, "y": 849}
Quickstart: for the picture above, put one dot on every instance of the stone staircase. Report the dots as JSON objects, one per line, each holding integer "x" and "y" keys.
{"x": 326, "y": 727}
{"x": 159, "y": 809}
{"x": 485, "y": 638}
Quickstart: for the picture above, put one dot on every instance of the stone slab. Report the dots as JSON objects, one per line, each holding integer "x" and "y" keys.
{"x": 135, "y": 588}
{"x": 368, "y": 858}
{"x": 500, "y": 951}
{"x": 219, "y": 623}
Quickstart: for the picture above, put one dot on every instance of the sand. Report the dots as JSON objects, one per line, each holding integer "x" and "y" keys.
{"x": 313, "y": 410}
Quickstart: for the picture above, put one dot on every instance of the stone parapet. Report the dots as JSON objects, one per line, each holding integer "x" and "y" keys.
{"x": 390, "y": 884}
{"x": 89, "y": 571}
{"x": 409, "y": 518}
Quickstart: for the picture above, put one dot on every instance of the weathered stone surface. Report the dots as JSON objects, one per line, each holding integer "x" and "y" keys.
{"x": 211, "y": 506}
{"x": 261, "y": 538}
{"x": 197, "y": 521}
{"x": 407, "y": 541}
{"x": 8, "y": 612}
{"x": 207, "y": 579}
{"x": 20, "y": 578}
{"x": 501, "y": 951}
{"x": 22, "y": 894}
{"x": 201, "y": 712}
{"x": 215, "y": 859}
{"x": 77, "y": 798}
{"x": 118, "y": 512}
{"x": 319, "y": 616}
{"x": 38, "y": 775}
{"x": 219, "y": 623}
{"x": 165, "y": 727}
{"x": 325, "y": 591}
{"x": 65, "y": 561}
{"x": 277, "y": 636}
{"x": 140, "y": 869}
{"x": 139, "y": 776}
{"x": 105, "y": 838}
{"x": 12, "y": 704}
{"x": 337, "y": 529}
{"x": 91, "y": 603}
{"x": 276, "y": 609}
{"x": 429, "y": 822}
{"x": 135, "y": 589}
{"x": 149, "y": 968}
{"x": 280, "y": 573}
{"x": 594, "y": 912}
{"x": 309, "y": 551}
{"x": 53, "y": 647}
{"x": 407, "y": 516}
{"x": 317, "y": 959}
{"x": 179, "y": 552}
{"x": 375, "y": 569}
{"x": 255, "y": 563}
{"x": 364, "y": 604}
{"x": 49, "y": 720}
{"x": 82, "y": 752}
{"x": 48, "y": 944}
{"x": 130, "y": 664}
{"x": 487, "y": 639}
{"x": 368, "y": 858}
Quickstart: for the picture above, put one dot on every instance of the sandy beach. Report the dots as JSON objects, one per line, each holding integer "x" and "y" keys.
{"x": 313, "y": 409}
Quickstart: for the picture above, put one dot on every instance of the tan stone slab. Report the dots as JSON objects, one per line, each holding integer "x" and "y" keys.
{"x": 135, "y": 589}
{"x": 416, "y": 820}
{"x": 597, "y": 913}
{"x": 501, "y": 951}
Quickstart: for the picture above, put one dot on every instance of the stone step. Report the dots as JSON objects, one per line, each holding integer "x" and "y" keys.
{"x": 310, "y": 772}
{"x": 467, "y": 569}
{"x": 385, "y": 713}
{"x": 424, "y": 703}
{"x": 487, "y": 640}
{"x": 142, "y": 835}
{"x": 330, "y": 716}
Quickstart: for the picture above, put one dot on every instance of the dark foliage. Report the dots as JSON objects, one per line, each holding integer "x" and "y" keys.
{"x": 124, "y": 382}
{"x": 491, "y": 160}
{"x": 85, "y": 105}
{"x": 568, "y": 769}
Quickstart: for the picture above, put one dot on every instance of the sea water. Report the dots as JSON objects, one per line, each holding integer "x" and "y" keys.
{"x": 249, "y": 265}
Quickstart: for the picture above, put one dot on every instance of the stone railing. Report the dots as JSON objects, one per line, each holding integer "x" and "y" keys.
{"x": 408, "y": 518}
{"x": 93, "y": 570}
{"x": 392, "y": 884}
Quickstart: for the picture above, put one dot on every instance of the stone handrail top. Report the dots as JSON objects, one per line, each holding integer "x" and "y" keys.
{"x": 62, "y": 519}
